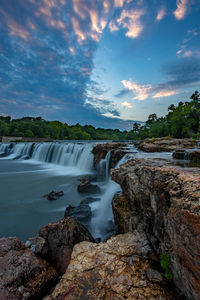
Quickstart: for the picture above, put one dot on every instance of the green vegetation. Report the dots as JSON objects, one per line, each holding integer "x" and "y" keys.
{"x": 181, "y": 121}
{"x": 164, "y": 262}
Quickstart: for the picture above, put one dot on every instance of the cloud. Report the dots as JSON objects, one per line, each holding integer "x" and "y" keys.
{"x": 181, "y": 10}
{"x": 182, "y": 74}
{"x": 127, "y": 104}
{"x": 122, "y": 93}
{"x": 161, "y": 14}
{"x": 119, "y": 3}
{"x": 112, "y": 26}
{"x": 131, "y": 19}
{"x": 141, "y": 92}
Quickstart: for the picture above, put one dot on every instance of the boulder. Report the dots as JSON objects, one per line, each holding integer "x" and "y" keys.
{"x": 55, "y": 241}
{"x": 179, "y": 154}
{"x": 117, "y": 151}
{"x": 53, "y": 195}
{"x": 87, "y": 187}
{"x": 113, "y": 270}
{"x": 164, "y": 202}
{"x": 23, "y": 275}
{"x": 166, "y": 144}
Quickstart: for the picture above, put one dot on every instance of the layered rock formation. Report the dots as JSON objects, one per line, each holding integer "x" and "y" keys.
{"x": 164, "y": 202}
{"x": 117, "y": 151}
{"x": 165, "y": 145}
{"x": 117, "y": 269}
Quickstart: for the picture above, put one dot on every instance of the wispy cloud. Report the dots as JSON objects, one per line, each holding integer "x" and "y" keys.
{"x": 131, "y": 19}
{"x": 161, "y": 14}
{"x": 141, "y": 91}
{"x": 127, "y": 104}
{"x": 182, "y": 8}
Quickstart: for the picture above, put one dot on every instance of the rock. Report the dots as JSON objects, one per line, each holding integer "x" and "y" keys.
{"x": 82, "y": 213}
{"x": 23, "y": 275}
{"x": 164, "y": 202}
{"x": 118, "y": 150}
{"x": 154, "y": 275}
{"x": 112, "y": 270}
{"x": 87, "y": 187}
{"x": 193, "y": 156}
{"x": 179, "y": 154}
{"x": 165, "y": 144}
{"x": 53, "y": 195}
{"x": 55, "y": 241}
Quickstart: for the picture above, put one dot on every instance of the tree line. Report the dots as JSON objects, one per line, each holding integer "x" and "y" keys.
{"x": 181, "y": 121}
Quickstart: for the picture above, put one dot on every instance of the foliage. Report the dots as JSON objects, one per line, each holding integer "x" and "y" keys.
{"x": 181, "y": 121}
{"x": 164, "y": 262}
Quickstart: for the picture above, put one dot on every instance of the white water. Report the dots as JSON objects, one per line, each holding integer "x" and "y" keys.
{"x": 76, "y": 159}
{"x": 63, "y": 154}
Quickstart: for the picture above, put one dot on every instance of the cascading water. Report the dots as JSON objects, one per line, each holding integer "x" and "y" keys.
{"x": 77, "y": 160}
{"x": 65, "y": 154}
{"x": 102, "y": 222}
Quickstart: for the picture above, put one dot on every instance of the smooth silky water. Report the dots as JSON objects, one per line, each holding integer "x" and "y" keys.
{"x": 30, "y": 170}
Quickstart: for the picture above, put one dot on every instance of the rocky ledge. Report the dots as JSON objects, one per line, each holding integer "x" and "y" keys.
{"x": 117, "y": 151}
{"x": 117, "y": 269}
{"x": 164, "y": 202}
{"x": 165, "y": 144}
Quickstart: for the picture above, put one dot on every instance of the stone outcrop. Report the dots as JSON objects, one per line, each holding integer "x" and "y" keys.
{"x": 87, "y": 187}
{"x": 165, "y": 145}
{"x": 55, "y": 242}
{"x": 164, "y": 202}
{"x": 117, "y": 151}
{"x": 23, "y": 275}
{"x": 117, "y": 269}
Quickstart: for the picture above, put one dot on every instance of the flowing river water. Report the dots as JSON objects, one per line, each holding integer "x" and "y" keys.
{"x": 30, "y": 170}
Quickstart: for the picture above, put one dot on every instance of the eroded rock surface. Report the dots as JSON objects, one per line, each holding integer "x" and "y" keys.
{"x": 23, "y": 275}
{"x": 165, "y": 145}
{"x": 164, "y": 202}
{"x": 117, "y": 151}
{"x": 117, "y": 269}
{"x": 55, "y": 241}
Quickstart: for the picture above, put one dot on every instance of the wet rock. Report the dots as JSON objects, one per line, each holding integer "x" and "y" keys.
{"x": 164, "y": 202}
{"x": 53, "y": 195}
{"x": 166, "y": 144}
{"x": 179, "y": 154}
{"x": 55, "y": 241}
{"x": 87, "y": 187}
{"x": 23, "y": 275}
{"x": 82, "y": 213}
{"x": 193, "y": 156}
{"x": 154, "y": 275}
{"x": 112, "y": 270}
{"x": 118, "y": 150}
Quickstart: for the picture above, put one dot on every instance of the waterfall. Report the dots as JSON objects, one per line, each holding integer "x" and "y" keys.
{"x": 65, "y": 154}
{"x": 102, "y": 222}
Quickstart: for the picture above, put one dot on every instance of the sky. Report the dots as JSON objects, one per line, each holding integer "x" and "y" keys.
{"x": 106, "y": 63}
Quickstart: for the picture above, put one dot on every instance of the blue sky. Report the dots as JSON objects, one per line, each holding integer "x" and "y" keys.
{"x": 100, "y": 62}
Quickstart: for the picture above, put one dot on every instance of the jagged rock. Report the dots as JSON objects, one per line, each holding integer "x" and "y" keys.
{"x": 82, "y": 213}
{"x": 165, "y": 145}
{"x": 164, "y": 202}
{"x": 23, "y": 275}
{"x": 112, "y": 270}
{"x": 53, "y": 195}
{"x": 55, "y": 241}
{"x": 179, "y": 154}
{"x": 87, "y": 187}
{"x": 117, "y": 152}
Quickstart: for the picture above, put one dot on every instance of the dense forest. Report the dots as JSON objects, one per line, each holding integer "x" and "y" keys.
{"x": 181, "y": 121}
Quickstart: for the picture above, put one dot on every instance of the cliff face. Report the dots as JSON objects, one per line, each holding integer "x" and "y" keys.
{"x": 164, "y": 202}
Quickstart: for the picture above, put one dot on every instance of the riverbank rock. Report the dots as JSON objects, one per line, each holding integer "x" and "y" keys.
{"x": 117, "y": 269}
{"x": 55, "y": 242}
{"x": 23, "y": 275}
{"x": 117, "y": 151}
{"x": 165, "y": 145}
{"x": 164, "y": 201}
{"x": 53, "y": 195}
{"x": 87, "y": 187}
